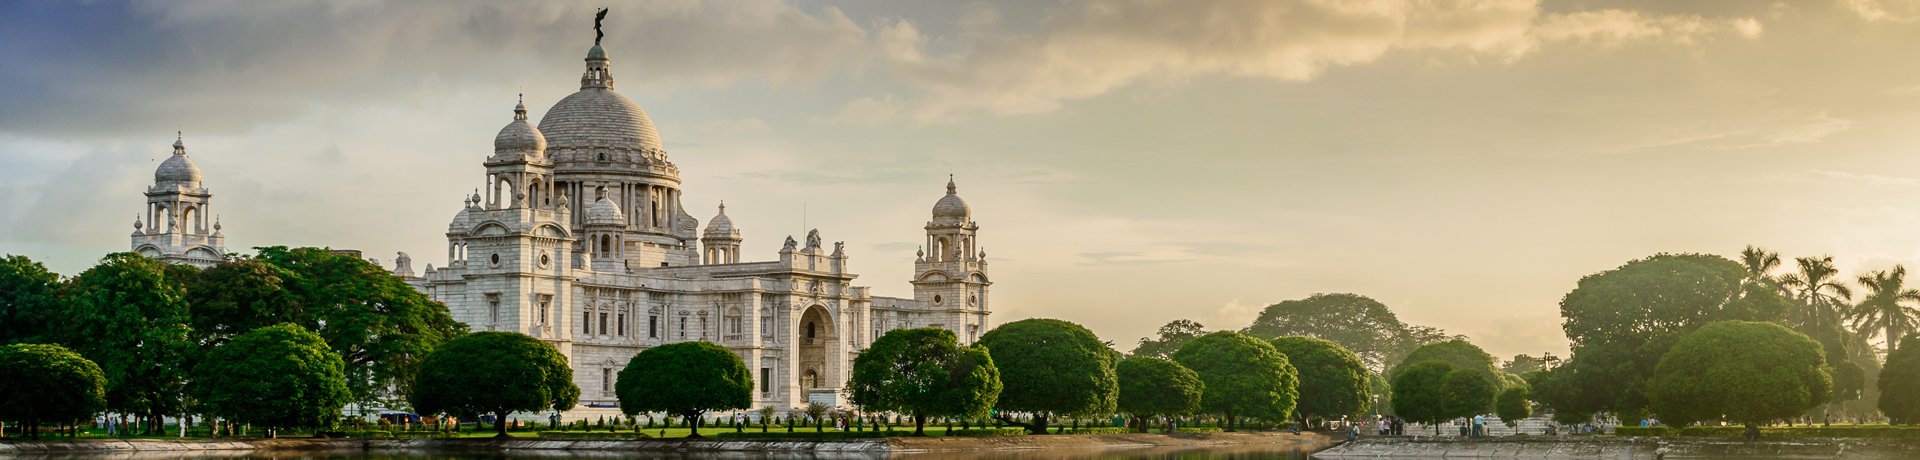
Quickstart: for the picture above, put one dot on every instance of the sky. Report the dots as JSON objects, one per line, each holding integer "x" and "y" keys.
{"x": 1130, "y": 162}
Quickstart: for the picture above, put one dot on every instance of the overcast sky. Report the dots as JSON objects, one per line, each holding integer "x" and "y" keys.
{"x": 1130, "y": 162}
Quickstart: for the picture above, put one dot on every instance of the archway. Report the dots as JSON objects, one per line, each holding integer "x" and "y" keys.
{"x": 817, "y": 342}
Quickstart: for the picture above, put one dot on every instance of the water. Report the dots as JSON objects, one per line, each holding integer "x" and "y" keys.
{"x": 1249, "y": 452}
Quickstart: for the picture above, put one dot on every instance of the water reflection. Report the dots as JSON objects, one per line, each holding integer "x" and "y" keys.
{"x": 1164, "y": 453}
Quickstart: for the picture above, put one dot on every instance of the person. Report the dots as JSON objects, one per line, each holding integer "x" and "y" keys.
{"x": 1479, "y": 425}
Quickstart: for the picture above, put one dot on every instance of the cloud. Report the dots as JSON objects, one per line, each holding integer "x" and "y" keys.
{"x": 1092, "y": 49}
{"x": 1898, "y": 11}
{"x": 229, "y": 66}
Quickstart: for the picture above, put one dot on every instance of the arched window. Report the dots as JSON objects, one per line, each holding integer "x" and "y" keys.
{"x": 810, "y": 330}
{"x": 940, "y": 249}
{"x": 191, "y": 219}
{"x": 813, "y": 379}
{"x": 503, "y": 193}
{"x": 606, "y": 246}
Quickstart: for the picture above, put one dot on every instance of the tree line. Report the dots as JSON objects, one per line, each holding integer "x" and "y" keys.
{"x": 282, "y": 338}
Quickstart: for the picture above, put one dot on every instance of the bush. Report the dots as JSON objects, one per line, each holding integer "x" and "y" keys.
{"x": 1855, "y": 431}
{"x": 592, "y": 435}
{"x": 813, "y": 435}
{"x": 1659, "y": 431}
{"x": 1095, "y": 430}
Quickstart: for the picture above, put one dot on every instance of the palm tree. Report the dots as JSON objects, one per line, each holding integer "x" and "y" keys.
{"x": 1760, "y": 263}
{"x": 1886, "y": 308}
{"x": 1816, "y": 286}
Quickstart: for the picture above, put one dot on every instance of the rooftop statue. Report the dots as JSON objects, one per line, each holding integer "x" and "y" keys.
{"x": 597, "y": 17}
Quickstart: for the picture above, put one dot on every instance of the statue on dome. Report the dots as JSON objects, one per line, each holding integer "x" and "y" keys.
{"x": 597, "y": 17}
{"x": 813, "y": 239}
{"x": 403, "y": 265}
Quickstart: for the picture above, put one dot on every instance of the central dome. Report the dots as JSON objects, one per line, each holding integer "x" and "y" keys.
{"x": 598, "y": 117}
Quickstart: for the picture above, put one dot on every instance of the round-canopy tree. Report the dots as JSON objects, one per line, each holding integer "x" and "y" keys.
{"x": 686, "y": 379}
{"x": 924, "y": 372}
{"x": 1900, "y": 383}
{"x": 281, "y": 376}
{"x": 1457, "y": 353}
{"x": 1420, "y": 393}
{"x": 1333, "y": 381}
{"x": 29, "y": 300}
{"x": 1512, "y": 407}
{"x": 1244, "y": 376}
{"x": 1748, "y": 372}
{"x": 1152, "y": 387}
{"x": 1356, "y": 322}
{"x": 494, "y": 373}
{"x": 126, "y": 315}
{"x": 48, "y": 383}
{"x": 1049, "y": 366}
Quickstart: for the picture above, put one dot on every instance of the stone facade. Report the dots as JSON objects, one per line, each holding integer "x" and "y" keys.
{"x": 579, "y": 239}
{"x": 178, "y": 205}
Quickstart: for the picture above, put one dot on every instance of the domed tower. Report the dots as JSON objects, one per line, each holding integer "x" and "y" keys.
{"x": 950, "y": 272}
{"x": 721, "y": 240}
{"x": 599, "y": 139}
{"x": 177, "y": 208}
{"x": 519, "y": 174}
{"x": 604, "y": 225}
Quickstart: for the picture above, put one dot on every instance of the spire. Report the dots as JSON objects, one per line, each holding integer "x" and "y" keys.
{"x": 520, "y": 108}
{"x": 951, "y": 189}
{"x": 179, "y": 144}
{"x": 723, "y": 207}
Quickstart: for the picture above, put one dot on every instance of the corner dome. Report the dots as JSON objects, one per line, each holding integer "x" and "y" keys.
{"x": 951, "y": 206}
{"x": 721, "y": 226}
{"x": 179, "y": 169}
{"x": 519, "y": 136}
{"x": 605, "y": 212}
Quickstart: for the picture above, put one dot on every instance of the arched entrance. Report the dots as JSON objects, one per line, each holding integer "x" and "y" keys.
{"x": 816, "y": 342}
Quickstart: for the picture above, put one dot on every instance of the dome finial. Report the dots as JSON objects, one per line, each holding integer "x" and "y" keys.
{"x": 520, "y": 108}
{"x": 951, "y": 189}
{"x": 723, "y": 207}
{"x": 179, "y": 143}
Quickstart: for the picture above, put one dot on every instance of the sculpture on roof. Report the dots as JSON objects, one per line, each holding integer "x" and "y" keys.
{"x": 597, "y": 17}
{"x": 403, "y": 265}
{"x": 813, "y": 239}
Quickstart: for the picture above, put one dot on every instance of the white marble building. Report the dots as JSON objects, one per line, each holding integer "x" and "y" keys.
{"x": 178, "y": 205}
{"x": 579, "y": 239}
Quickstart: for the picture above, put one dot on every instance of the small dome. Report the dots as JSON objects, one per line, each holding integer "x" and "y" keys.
{"x": 519, "y": 136}
{"x": 179, "y": 169}
{"x": 596, "y": 52}
{"x": 721, "y": 226}
{"x": 605, "y": 212}
{"x": 951, "y": 206}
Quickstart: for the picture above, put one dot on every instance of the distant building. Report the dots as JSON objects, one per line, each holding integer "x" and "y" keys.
{"x": 580, "y": 239}
{"x": 177, "y": 208}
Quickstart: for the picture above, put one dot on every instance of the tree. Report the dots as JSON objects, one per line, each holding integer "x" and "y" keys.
{"x": 1243, "y": 376}
{"x": 1621, "y": 321}
{"x": 1458, "y": 353}
{"x": 1153, "y": 387}
{"x": 1173, "y": 335}
{"x": 1747, "y": 372}
{"x": 1049, "y": 366}
{"x": 1512, "y": 406}
{"x": 29, "y": 296}
{"x": 1887, "y": 308}
{"x": 1333, "y": 381}
{"x": 924, "y": 372}
{"x": 237, "y": 296}
{"x": 1356, "y": 322}
{"x": 1759, "y": 264}
{"x": 1420, "y": 393}
{"x": 1522, "y": 364}
{"x": 686, "y": 379}
{"x": 281, "y": 376}
{"x": 1819, "y": 290}
{"x": 1468, "y": 393}
{"x": 381, "y": 326}
{"x": 41, "y": 383}
{"x": 126, "y": 316}
{"x": 1900, "y": 383}
{"x": 494, "y": 373}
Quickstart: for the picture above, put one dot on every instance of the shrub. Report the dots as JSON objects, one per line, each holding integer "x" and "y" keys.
{"x": 592, "y": 435}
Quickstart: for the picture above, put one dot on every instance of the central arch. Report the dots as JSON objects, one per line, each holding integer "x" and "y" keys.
{"x": 817, "y": 341}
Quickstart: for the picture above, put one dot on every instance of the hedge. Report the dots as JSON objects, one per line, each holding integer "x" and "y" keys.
{"x": 1850, "y": 431}
{"x": 812, "y": 435}
{"x": 593, "y": 435}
